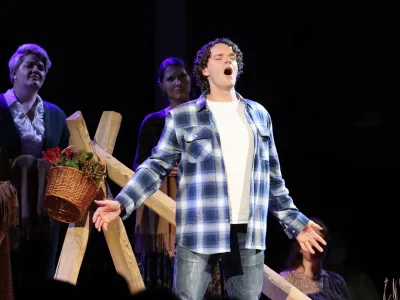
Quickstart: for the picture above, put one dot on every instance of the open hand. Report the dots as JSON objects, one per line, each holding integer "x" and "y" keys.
{"x": 309, "y": 238}
{"x": 108, "y": 211}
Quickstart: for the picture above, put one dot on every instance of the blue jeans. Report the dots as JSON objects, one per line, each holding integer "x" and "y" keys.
{"x": 242, "y": 268}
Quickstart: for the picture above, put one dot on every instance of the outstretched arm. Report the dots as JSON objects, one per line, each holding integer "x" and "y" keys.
{"x": 282, "y": 207}
{"x": 146, "y": 180}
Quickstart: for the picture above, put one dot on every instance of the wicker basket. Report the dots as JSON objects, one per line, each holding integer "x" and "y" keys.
{"x": 69, "y": 194}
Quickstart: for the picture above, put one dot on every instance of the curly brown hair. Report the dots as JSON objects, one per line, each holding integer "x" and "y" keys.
{"x": 201, "y": 60}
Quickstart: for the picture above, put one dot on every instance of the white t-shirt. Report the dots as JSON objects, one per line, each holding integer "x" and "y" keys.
{"x": 237, "y": 143}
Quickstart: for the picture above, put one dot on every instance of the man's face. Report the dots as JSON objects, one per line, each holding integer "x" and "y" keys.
{"x": 222, "y": 68}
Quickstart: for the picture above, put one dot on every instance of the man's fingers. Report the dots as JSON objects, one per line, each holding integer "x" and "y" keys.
{"x": 309, "y": 247}
{"x": 105, "y": 226}
{"x": 315, "y": 225}
{"x": 317, "y": 246}
{"x": 97, "y": 225}
{"x": 303, "y": 247}
{"x": 100, "y": 224}
{"x": 100, "y": 202}
{"x": 95, "y": 216}
{"x": 320, "y": 239}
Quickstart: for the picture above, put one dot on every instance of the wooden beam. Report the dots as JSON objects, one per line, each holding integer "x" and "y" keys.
{"x": 122, "y": 255}
{"x": 276, "y": 287}
{"x": 73, "y": 251}
{"x": 107, "y": 131}
{"x": 77, "y": 237}
{"x": 159, "y": 202}
{"x": 116, "y": 237}
{"x": 79, "y": 134}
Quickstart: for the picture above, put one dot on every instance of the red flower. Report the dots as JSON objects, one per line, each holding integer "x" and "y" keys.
{"x": 68, "y": 152}
{"x": 52, "y": 155}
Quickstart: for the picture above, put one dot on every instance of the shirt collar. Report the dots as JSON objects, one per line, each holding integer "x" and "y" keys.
{"x": 201, "y": 102}
{"x": 11, "y": 98}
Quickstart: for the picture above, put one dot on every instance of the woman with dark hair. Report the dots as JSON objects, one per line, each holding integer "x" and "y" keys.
{"x": 154, "y": 236}
{"x": 305, "y": 271}
{"x": 174, "y": 80}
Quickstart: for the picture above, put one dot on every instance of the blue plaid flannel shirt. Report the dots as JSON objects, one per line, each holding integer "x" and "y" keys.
{"x": 202, "y": 206}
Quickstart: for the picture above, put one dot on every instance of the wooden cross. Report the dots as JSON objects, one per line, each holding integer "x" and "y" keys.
{"x": 77, "y": 236}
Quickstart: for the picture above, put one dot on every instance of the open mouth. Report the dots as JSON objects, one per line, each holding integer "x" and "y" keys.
{"x": 228, "y": 71}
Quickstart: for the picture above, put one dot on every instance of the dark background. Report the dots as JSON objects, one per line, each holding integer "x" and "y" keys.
{"x": 328, "y": 72}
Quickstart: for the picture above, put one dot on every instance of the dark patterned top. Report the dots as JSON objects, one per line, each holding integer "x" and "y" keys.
{"x": 330, "y": 286}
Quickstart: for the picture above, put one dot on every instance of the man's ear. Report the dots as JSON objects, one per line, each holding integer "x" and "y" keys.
{"x": 205, "y": 72}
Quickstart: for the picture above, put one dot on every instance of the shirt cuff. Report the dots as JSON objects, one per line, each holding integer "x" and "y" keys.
{"x": 127, "y": 203}
{"x": 296, "y": 226}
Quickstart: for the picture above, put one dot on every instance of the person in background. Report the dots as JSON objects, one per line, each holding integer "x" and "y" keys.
{"x": 154, "y": 236}
{"x": 30, "y": 125}
{"x": 306, "y": 272}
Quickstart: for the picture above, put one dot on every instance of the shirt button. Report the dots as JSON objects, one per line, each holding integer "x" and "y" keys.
{"x": 293, "y": 231}
{"x": 227, "y": 220}
{"x": 226, "y": 198}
